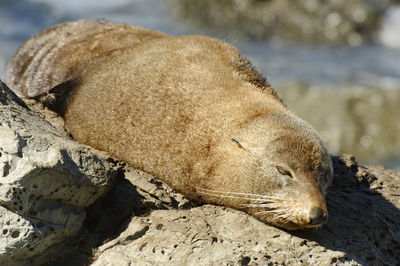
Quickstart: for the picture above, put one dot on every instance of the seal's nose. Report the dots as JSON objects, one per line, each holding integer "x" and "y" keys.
{"x": 317, "y": 216}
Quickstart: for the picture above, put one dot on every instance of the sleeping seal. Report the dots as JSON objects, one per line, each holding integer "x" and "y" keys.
{"x": 189, "y": 110}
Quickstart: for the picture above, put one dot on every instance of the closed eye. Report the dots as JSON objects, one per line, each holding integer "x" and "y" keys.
{"x": 283, "y": 171}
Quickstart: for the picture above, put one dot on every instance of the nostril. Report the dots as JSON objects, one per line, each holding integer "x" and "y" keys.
{"x": 317, "y": 216}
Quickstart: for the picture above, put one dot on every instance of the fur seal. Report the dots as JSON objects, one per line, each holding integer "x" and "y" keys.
{"x": 189, "y": 110}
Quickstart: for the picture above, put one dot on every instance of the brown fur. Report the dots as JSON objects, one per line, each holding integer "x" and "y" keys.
{"x": 63, "y": 49}
{"x": 171, "y": 106}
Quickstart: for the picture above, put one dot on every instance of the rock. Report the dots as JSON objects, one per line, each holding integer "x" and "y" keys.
{"x": 363, "y": 229}
{"x": 202, "y": 236}
{"x": 61, "y": 203}
{"x": 389, "y": 35}
{"x": 358, "y": 120}
{"x": 7, "y": 96}
{"x": 46, "y": 183}
{"x": 333, "y": 21}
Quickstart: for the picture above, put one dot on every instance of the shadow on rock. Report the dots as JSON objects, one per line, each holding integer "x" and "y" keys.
{"x": 144, "y": 217}
{"x": 363, "y": 223}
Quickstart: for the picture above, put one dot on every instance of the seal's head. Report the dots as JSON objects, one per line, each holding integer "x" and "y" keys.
{"x": 278, "y": 171}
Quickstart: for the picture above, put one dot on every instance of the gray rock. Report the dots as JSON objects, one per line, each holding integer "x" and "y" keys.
{"x": 363, "y": 229}
{"x": 46, "y": 182}
{"x": 206, "y": 235}
{"x": 58, "y": 205}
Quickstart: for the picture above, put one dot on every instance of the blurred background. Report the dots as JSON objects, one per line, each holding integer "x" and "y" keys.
{"x": 336, "y": 63}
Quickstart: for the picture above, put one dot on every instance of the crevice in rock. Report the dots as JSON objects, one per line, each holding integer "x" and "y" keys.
{"x": 6, "y": 169}
{"x": 135, "y": 236}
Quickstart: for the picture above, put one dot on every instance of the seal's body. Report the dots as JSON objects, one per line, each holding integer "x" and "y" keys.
{"x": 189, "y": 110}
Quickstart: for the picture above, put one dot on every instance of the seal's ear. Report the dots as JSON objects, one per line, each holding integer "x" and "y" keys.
{"x": 247, "y": 146}
{"x": 242, "y": 144}
{"x": 238, "y": 143}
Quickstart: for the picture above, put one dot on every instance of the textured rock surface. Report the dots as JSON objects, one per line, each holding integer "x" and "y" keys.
{"x": 363, "y": 229}
{"x": 206, "y": 235}
{"x": 46, "y": 182}
{"x": 48, "y": 209}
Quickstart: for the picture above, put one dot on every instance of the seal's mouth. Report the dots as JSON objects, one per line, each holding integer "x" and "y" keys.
{"x": 314, "y": 218}
{"x": 293, "y": 226}
{"x": 317, "y": 216}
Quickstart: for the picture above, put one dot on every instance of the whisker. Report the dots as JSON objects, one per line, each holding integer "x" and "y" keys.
{"x": 232, "y": 193}
{"x": 271, "y": 204}
{"x": 264, "y": 212}
{"x": 282, "y": 216}
{"x": 231, "y": 197}
{"x": 287, "y": 220}
{"x": 278, "y": 213}
{"x": 247, "y": 196}
{"x": 257, "y": 205}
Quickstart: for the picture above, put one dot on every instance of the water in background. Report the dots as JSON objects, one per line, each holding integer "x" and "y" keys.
{"x": 369, "y": 67}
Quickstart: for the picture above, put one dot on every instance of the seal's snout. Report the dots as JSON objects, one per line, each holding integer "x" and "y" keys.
{"x": 317, "y": 216}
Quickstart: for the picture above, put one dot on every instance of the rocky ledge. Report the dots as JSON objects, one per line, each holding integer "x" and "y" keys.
{"x": 64, "y": 203}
